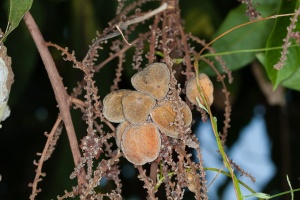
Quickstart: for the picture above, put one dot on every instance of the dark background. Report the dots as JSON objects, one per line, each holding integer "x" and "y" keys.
{"x": 33, "y": 107}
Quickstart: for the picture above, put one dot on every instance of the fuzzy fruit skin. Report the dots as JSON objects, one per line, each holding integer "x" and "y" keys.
{"x": 163, "y": 115}
{"x": 137, "y": 106}
{"x": 153, "y": 80}
{"x": 206, "y": 85}
{"x": 141, "y": 143}
{"x": 112, "y": 106}
{"x": 119, "y": 132}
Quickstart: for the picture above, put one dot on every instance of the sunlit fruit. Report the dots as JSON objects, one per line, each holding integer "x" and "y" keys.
{"x": 141, "y": 143}
{"x": 164, "y": 116}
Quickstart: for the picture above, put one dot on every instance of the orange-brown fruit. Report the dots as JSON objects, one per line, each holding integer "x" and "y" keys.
{"x": 137, "y": 106}
{"x": 141, "y": 143}
{"x": 206, "y": 85}
{"x": 154, "y": 80}
{"x": 163, "y": 115}
{"x": 119, "y": 132}
{"x": 112, "y": 106}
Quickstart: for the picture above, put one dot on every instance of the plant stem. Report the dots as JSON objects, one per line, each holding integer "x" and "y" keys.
{"x": 60, "y": 93}
{"x": 229, "y": 175}
{"x": 40, "y": 163}
{"x": 283, "y": 193}
{"x": 244, "y": 51}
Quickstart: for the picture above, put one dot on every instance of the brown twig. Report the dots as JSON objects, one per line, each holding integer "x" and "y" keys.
{"x": 147, "y": 182}
{"x": 153, "y": 39}
{"x": 40, "y": 163}
{"x": 107, "y": 60}
{"x": 82, "y": 106}
{"x": 58, "y": 88}
{"x": 187, "y": 57}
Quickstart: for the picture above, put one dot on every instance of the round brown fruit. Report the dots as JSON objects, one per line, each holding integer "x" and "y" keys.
{"x": 137, "y": 106}
{"x": 153, "y": 79}
{"x": 141, "y": 143}
{"x": 112, "y": 106}
{"x": 163, "y": 115}
{"x": 206, "y": 86}
{"x": 119, "y": 132}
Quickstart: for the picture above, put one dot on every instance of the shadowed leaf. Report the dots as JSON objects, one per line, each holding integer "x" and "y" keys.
{"x": 249, "y": 37}
{"x": 17, "y": 10}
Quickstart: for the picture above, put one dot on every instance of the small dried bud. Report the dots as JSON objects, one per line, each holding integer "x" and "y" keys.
{"x": 112, "y": 106}
{"x": 119, "y": 132}
{"x": 153, "y": 80}
{"x": 141, "y": 143}
{"x": 137, "y": 106}
{"x": 164, "y": 115}
{"x": 206, "y": 86}
{"x": 191, "y": 182}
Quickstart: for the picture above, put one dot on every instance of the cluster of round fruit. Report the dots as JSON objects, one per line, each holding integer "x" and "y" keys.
{"x": 145, "y": 113}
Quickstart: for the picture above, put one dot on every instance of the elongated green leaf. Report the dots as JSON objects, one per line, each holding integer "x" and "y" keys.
{"x": 252, "y": 36}
{"x": 288, "y": 75}
{"x": 17, "y": 10}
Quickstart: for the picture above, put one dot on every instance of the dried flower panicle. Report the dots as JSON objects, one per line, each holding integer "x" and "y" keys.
{"x": 154, "y": 123}
{"x": 251, "y": 11}
{"x": 286, "y": 41}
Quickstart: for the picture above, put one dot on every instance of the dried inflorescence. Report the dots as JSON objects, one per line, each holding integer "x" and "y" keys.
{"x": 138, "y": 107}
{"x": 133, "y": 108}
{"x": 141, "y": 143}
{"x": 154, "y": 121}
{"x": 164, "y": 117}
{"x": 154, "y": 80}
{"x": 206, "y": 87}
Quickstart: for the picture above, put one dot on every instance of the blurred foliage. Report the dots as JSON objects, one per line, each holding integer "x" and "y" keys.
{"x": 252, "y": 36}
{"x": 73, "y": 24}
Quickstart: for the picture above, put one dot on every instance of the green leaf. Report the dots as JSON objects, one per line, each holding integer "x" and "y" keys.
{"x": 293, "y": 82}
{"x": 288, "y": 75}
{"x": 17, "y": 10}
{"x": 260, "y": 195}
{"x": 252, "y": 36}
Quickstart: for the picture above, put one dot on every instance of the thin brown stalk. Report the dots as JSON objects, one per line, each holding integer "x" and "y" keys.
{"x": 151, "y": 54}
{"x": 40, "y": 163}
{"x": 82, "y": 106}
{"x": 187, "y": 53}
{"x": 110, "y": 58}
{"x": 58, "y": 88}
